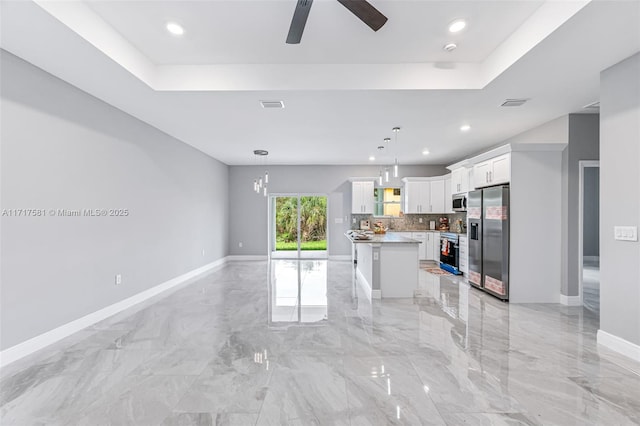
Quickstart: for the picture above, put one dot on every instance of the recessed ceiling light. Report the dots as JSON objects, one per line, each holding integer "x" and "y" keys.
{"x": 175, "y": 28}
{"x": 465, "y": 128}
{"x": 457, "y": 25}
{"x": 450, "y": 47}
{"x": 425, "y": 152}
{"x": 372, "y": 158}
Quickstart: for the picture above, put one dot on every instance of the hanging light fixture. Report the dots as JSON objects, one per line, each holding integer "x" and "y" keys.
{"x": 386, "y": 174}
{"x": 380, "y": 178}
{"x": 396, "y": 130}
{"x": 260, "y": 183}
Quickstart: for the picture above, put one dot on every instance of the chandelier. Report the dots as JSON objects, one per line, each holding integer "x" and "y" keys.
{"x": 261, "y": 182}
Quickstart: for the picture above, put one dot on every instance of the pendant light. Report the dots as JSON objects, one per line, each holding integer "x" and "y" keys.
{"x": 396, "y": 130}
{"x": 386, "y": 174}
{"x": 260, "y": 183}
{"x": 380, "y": 178}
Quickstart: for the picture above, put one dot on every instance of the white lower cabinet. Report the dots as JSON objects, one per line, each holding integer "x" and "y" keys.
{"x": 435, "y": 241}
{"x": 432, "y": 246}
{"x": 422, "y": 248}
{"x": 463, "y": 255}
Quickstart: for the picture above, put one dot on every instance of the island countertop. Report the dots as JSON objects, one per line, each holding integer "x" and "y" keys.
{"x": 389, "y": 237}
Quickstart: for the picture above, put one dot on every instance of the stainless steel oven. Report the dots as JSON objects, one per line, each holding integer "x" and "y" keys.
{"x": 449, "y": 252}
{"x": 459, "y": 203}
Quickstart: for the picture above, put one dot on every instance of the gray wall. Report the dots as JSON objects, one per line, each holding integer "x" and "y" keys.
{"x": 591, "y": 218}
{"x": 620, "y": 198}
{"x": 248, "y": 224}
{"x": 584, "y": 144}
{"x": 63, "y": 149}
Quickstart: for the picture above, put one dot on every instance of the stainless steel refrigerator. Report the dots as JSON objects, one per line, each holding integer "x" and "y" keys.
{"x": 488, "y": 215}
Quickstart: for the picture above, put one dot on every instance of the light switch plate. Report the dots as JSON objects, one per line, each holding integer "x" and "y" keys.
{"x": 625, "y": 233}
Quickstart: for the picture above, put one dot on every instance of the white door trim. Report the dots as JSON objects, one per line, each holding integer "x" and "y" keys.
{"x": 582, "y": 164}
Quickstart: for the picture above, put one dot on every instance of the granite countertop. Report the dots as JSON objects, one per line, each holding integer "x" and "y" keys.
{"x": 424, "y": 230}
{"x": 389, "y": 237}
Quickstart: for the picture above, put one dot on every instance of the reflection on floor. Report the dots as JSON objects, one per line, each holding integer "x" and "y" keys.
{"x": 298, "y": 291}
{"x": 591, "y": 285}
{"x": 208, "y": 354}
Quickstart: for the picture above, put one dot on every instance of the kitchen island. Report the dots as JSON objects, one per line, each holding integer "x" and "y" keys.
{"x": 386, "y": 265}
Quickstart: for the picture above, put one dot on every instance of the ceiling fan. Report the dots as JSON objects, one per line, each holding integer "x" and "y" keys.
{"x": 361, "y": 8}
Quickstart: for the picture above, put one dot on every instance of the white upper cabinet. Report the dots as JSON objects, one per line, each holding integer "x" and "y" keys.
{"x": 427, "y": 195}
{"x": 416, "y": 196}
{"x": 501, "y": 172}
{"x": 460, "y": 180}
{"x": 437, "y": 203}
{"x": 494, "y": 171}
{"x": 362, "y": 200}
{"x": 448, "y": 207}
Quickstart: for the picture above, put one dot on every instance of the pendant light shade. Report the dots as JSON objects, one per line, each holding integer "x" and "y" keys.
{"x": 386, "y": 175}
{"x": 396, "y": 130}
{"x": 380, "y": 179}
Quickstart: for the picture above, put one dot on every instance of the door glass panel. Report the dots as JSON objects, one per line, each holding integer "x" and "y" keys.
{"x": 313, "y": 223}
{"x": 286, "y": 224}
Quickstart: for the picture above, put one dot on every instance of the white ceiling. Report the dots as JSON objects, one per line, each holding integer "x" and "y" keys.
{"x": 253, "y": 32}
{"x": 344, "y": 86}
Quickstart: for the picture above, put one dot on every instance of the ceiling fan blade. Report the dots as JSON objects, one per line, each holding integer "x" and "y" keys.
{"x": 298, "y": 21}
{"x": 366, "y": 13}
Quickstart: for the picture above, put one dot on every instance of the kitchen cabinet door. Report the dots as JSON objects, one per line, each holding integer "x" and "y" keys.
{"x": 416, "y": 197}
{"x": 481, "y": 174}
{"x": 493, "y": 172}
{"x": 459, "y": 180}
{"x": 501, "y": 169}
{"x": 436, "y": 197}
{"x": 422, "y": 248}
{"x": 429, "y": 246}
{"x": 362, "y": 200}
{"x": 436, "y": 246}
{"x": 448, "y": 208}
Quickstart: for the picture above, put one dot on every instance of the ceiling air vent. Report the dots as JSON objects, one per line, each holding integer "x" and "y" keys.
{"x": 272, "y": 104}
{"x": 514, "y": 102}
{"x": 593, "y": 105}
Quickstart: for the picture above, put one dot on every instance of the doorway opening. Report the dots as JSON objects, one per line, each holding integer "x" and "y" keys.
{"x": 589, "y": 235}
{"x": 299, "y": 226}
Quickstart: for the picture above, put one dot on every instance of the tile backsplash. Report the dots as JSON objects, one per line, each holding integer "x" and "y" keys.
{"x": 410, "y": 222}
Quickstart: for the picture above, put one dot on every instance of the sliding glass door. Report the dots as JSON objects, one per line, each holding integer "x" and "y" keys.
{"x": 299, "y": 226}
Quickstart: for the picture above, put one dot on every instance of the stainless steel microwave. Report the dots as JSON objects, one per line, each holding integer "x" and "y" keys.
{"x": 459, "y": 203}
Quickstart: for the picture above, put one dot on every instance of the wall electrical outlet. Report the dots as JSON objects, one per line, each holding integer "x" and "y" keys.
{"x": 420, "y": 220}
{"x": 240, "y": 244}
{"x": 354, "y": 220}
{"x": 118, "y": 279}
{"x": 625, "y": 233}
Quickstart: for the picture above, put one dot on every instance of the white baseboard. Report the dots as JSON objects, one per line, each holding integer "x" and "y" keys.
{"x": 340, "y": 257}
{"x": 618, "y": 344}
{"x": 570, "y": 300}
{"x": 43, "y": 340}
{"x": 240, "y": 257}
{"x": 376, "y": 294}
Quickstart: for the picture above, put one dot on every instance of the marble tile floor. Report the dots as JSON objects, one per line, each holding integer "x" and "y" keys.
{"x": 211, "y": 354}
{"x": 591, "y": 285}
